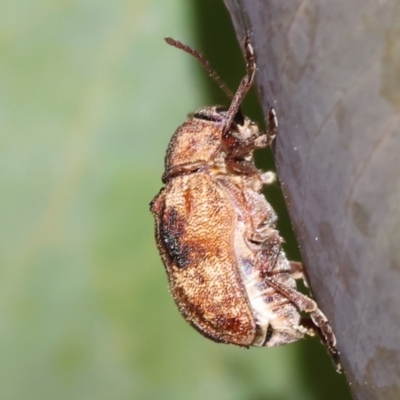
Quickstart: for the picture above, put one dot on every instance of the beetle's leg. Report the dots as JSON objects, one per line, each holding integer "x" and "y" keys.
{"x": 278, "y": 336}
{"x": 305, "y": 304}
{"x": 247, "y": 167}
{"x": 298, "y": 272}
{"x": 265, "y": 233}
{"x": 296, "y": 269}
{"x": 243, "y": 167}
{"x": 314, "y": 329}
{"x": 239, "y": 148}
{"x": 270, "y": 177}
{"x": 267, "y": 178}
{"x": 318, "y": 319}
{"x": 302, "y": 302}
{"x": 255, "y": 142}
{"x": 272, "y": 126}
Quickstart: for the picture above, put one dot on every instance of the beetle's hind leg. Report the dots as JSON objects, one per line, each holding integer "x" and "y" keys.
{"x": 309, "y": 306}
{"x": 319, "y": 325}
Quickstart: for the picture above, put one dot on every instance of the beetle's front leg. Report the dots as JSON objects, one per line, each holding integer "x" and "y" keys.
{"x": 242, "y": 144}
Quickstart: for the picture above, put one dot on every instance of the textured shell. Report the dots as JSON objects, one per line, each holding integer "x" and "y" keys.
{"x": 195, "y": 228}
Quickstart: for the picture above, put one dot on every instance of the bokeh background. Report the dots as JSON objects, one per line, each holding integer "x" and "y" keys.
{"x": 89, "y": 96}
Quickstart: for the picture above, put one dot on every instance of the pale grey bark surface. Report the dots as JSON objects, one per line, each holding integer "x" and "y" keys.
{"x": 332, "y": 72}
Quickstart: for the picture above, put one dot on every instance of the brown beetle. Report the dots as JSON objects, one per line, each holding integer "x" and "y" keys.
{"x": 216, "y": 234}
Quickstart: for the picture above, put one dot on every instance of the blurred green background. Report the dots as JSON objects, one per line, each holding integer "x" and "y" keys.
{"x": 89, "y": 96}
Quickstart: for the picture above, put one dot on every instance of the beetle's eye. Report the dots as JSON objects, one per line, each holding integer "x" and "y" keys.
{"x": 207, "y": 116}
{"x": 221, "y": 110}
{"x": 239, "y": 118}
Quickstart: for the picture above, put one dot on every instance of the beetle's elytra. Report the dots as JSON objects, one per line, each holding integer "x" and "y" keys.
{"x": 215, "y": 231}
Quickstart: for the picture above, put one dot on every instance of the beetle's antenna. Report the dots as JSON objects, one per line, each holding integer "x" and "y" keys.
{"x": 244, "y": 86}
{"x": 206, "y": 64}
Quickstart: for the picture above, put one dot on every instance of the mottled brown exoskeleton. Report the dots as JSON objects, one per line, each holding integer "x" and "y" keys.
{"x": 215, "y": 231}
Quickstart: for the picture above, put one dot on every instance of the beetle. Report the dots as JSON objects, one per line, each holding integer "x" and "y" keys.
{"x": 216, "y": 232}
